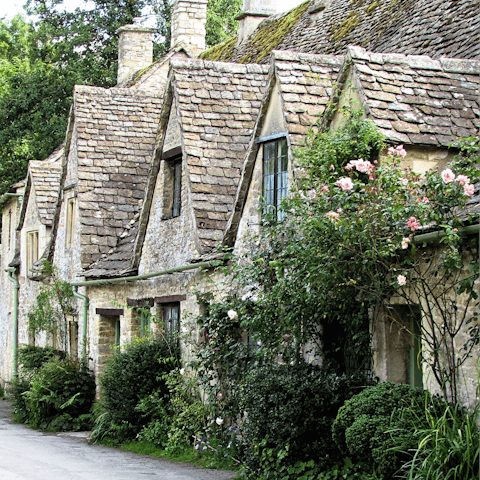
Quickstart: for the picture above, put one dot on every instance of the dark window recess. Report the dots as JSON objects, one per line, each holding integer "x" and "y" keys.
{"x": 275, "y": 175}
{"x": 171, "y": 317}
{"x": 177, "y": 188}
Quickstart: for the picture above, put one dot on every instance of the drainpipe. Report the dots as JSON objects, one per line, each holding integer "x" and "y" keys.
{"x": 85, "y": 317}
{"x": 109, "y": 281}
{"x": 428, "y": 237}
{"x": 16, "y": 287}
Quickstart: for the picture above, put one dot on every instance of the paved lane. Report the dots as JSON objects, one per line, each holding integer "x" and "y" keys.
{"x": 26, "y": 454}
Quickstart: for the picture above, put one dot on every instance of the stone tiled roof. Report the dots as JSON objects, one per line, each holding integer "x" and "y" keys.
{"x": 416, "y": 99}
{"x": 116, "y": 131}
{"x": 306, "y": 83}
{"x": 45, "y": 180}
{"x": 218, "y": 104}
{"x": 422, "y": 27}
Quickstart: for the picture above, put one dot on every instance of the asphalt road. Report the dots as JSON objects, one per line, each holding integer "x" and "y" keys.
{"x": 27, "y": 454}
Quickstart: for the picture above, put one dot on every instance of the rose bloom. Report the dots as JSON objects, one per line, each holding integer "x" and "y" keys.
{"x": 413, "y": 224}
{"x": 325, "y": 188}
{"x": 345, "y": 183}
{"x": 219, "y": 421}
{"x": 232, "y": 314}
{"x": 463, "y": 179}
{"x": 401, "y": 152}
{"x": 333, "y": 216}
{"x": 447, "y": 175}
{"x": 402, "y": 280}
{"x": 469, "y": 189}
{"x": 405, "y": 242}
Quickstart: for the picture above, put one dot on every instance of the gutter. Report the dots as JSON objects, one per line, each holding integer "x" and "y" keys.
{"x": 438, "y": 235}
{"x": 111, "y": 281}
{"x": 16, "y": 287}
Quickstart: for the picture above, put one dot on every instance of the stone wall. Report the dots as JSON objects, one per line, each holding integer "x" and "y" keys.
{"x": 189, "y": 18}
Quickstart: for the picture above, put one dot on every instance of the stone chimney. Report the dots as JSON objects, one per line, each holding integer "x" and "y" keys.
{"x": 135, "y": 50}
{"x": 254, "y": 11}
{"x": 189, "y": 18}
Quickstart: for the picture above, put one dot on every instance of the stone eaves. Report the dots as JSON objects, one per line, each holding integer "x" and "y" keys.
{"x": 414, "y": 27}
{"x": 417, "y": 100}
{"x": 115, "y": 130}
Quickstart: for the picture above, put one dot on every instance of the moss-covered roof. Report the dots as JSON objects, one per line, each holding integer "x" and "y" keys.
{"x": 427, "y": 27}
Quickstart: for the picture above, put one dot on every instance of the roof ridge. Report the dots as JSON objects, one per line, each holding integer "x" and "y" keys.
{"x": 445, "y": 64}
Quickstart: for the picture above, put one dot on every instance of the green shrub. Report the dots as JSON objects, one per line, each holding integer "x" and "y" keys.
{"x": 31, "y": 357}
{"x": 131, "y": 374}
{"x": 446, "y": 447}
{"x": 60, "y": 392}
{"x": 16, "y": 389}
{"x": 294, "y": 404}
{"x": 372, "y": 422}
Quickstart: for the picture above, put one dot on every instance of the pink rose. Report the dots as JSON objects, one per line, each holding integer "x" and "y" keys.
{"x": 447, "y": 175}
{"x": 345, "y": 183}
{"x": 469, "y": 189}
{"x": 413, "y": 224}
{"x": 333, "y": 216}
{"x": 463, "y": 179}
{"x": 405, "y": 242}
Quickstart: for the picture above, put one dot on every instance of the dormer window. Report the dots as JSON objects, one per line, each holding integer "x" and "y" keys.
{"x": 275, "y": 174}
{"x": 172, "y": 184}
{"x": 32, "y": 249}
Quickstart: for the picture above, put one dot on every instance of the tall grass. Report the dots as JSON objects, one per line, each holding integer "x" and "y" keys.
{"x": 447, "y": 449}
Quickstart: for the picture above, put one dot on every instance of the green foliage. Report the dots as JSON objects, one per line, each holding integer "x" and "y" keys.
{"x": 16, "y": 389}
{"x": 52, "y": 393}
{"x": 444, "y": 446}
{"x": 221, "y": 23}
{"x": 372, "y": 422}
{"x": 31, "y": 357}
{"x": 292, "y": 404}
{"x": 225, "y": 355}
{"x": 131, "y": 374}
{"x": 348, "y": 470}
{"x": 54, "y": 303}
{"x": 60, "y": 396}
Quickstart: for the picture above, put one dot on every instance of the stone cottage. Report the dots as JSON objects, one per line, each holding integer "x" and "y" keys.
{"x": 157, "y": 171}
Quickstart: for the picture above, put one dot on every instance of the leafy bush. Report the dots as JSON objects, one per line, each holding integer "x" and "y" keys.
{"x": 60, "y": 392}
{"x": 372, "y": 422}
{"x": 31, "y": 357}
{"x": 131, "y": 374}
{"x": 446, "y": 447}
{"x": 294, "y": 404}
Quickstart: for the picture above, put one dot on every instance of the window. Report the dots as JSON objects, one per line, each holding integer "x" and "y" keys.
{"x": 177, "y": 187}
{"x": 32, "y": 249}
{"x": 171, "y": 317}
{"x": 70, "y": 223}
{"x": 172, "y": 183}
{"x": 275, "y": 175}
{"x": 144, "y": 321}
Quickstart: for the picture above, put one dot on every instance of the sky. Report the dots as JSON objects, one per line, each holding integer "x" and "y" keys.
{"x": 10, "y": 8}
